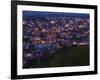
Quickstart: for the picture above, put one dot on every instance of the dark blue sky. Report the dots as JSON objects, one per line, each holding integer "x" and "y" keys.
{"x": 53, "y": 14}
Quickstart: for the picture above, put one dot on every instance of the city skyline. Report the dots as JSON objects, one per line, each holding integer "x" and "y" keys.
{"x": 49, "y": 35}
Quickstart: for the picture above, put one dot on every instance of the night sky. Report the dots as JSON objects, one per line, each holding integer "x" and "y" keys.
{"x": 53, "y": 14}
